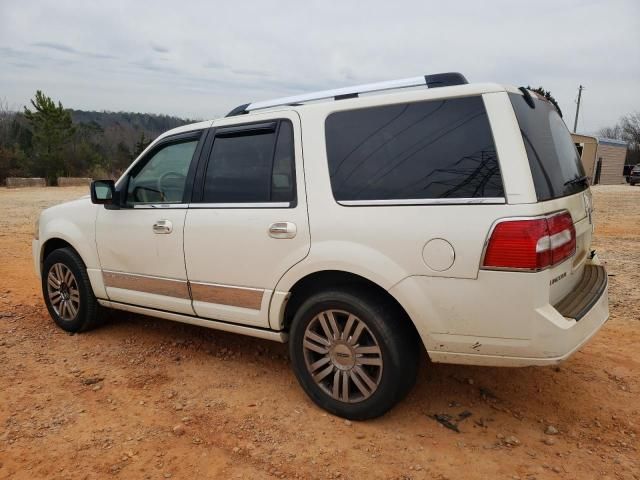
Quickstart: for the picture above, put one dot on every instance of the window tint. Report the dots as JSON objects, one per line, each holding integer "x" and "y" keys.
{"x": 162, "y": 178}
{"x": 252, "y": 166}
{"x": 422, "y": 150}
{"x": 553, "y": 158}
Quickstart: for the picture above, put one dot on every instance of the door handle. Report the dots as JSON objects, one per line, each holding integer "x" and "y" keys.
{"x": 163, "y": 226}
{"x": 282, "y": 230}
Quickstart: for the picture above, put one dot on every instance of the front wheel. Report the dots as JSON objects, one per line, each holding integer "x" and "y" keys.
{"x": 355, "y": 354}
{"x": 68, "y": 293}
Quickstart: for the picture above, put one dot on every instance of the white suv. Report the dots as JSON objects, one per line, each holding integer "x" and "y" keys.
{"x": 359, "y": 225}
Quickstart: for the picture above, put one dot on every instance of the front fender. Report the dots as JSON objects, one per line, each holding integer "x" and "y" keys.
{"x": 74, "y": 223}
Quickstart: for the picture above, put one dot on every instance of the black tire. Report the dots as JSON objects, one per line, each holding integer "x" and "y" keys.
{"x": 88, "y": 314}
{"x": 392, "y": 333}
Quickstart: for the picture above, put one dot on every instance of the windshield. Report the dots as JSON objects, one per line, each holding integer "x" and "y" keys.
{"x": 555, "y": 163}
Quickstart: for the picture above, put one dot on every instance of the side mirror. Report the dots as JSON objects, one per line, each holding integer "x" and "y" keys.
{"x": 103, "y": 192}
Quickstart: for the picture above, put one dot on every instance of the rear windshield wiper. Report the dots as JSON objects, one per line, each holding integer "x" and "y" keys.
{"x": 583, "y": 179}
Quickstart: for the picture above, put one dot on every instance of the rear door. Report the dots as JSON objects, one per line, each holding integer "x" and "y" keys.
{"x": 559, "y": 179}
{"x": 247, "y": 224}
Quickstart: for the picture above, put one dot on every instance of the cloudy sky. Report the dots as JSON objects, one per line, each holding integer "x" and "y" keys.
{"x": 200, "y": 59}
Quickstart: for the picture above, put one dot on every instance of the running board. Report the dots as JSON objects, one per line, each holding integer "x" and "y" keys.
{"x": 272, "y": 335}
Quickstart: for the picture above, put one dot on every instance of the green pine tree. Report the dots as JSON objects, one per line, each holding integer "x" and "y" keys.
{"x": 52, "y": 129}
{"x": 141, "y": 145}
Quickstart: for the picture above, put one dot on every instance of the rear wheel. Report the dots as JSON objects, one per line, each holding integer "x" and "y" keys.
{"x": 354, "y": 354}
{"x": 67, "y": 291}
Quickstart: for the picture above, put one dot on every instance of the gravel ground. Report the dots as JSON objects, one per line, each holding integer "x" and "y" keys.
{"x": 146, "y": 398}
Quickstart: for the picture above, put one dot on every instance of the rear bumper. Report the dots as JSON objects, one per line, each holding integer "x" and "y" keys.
{"x": 585, "y": 294}
{"x": 499, "y": 320}
{"x": 568, "y": 341}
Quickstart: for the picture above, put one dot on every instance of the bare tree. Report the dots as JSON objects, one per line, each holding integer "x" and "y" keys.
{"x": 627, "y": 129}
{"x": 7, "y": 116}
{"x": 631, "y": 129}
{"x": 614, "y": 132}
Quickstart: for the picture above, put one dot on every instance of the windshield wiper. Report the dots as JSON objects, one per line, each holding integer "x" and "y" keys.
{"x": 583, "y": 179}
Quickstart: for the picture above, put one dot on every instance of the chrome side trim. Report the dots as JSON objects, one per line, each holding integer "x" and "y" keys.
{"x": 272, "y": 335}
{"x": 244, "y": 297}
{"x": 426, "y": 201}
{"x": 163, "y": 206}
{"x": 141, "y": 283}
{"x": 226, "y": 295}
{"x": 242, "y": 205}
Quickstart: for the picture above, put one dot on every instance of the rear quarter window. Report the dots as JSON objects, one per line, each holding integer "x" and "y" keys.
{"x": 553, "y": 159}
{"x": 423, "y": 150}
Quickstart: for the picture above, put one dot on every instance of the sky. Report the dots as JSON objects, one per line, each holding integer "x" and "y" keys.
{"x": 200, "y": 59}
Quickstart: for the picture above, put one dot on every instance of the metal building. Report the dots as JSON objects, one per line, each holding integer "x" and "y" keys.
{"x": 602, "y": 158}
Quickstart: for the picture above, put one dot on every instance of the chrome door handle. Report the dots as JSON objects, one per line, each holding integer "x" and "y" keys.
{"x": 282, "y": 230}
{"x": 163, "y": 226}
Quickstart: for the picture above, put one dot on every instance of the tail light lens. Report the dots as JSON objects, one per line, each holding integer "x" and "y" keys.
{"x": 531, "y": 244}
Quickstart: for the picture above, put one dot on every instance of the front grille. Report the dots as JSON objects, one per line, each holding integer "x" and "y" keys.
{"x": 586, "y": 293}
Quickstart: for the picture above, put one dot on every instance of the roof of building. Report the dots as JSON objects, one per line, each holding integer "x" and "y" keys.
{"x": 612, "y": 141}
{"x": 595, "y": 139}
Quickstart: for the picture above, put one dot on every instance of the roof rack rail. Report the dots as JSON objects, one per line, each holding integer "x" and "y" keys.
{"x": 430, "y": 81}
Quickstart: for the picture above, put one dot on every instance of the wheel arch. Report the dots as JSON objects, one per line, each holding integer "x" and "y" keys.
{"x": 52, "y": 244}
{"x": 56, "y": 241}
{"x": 322, "y": 279}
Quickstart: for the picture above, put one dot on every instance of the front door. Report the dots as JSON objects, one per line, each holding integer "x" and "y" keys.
{"x": 140, "y": 245}
{"x": 248, "y": 223}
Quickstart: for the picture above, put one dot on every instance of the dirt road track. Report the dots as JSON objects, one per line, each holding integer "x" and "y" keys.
{"x": 144, "y": 398}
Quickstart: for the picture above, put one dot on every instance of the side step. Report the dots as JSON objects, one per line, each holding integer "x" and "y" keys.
{"x": 272, "y": 335}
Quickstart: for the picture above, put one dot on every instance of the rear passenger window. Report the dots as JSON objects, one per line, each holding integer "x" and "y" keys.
{"x": 252, "y": 166}
{"x": 424, "y": 150}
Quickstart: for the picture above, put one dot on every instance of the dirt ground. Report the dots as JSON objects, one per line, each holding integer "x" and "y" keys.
{"x": 145, "y": 398}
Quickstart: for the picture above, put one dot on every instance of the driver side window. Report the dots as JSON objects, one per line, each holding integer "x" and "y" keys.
{"x": 162, "y": 178}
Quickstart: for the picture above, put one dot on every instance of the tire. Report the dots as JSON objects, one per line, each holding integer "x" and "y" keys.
{"x": 67, "y": 292}
{"x": 385, "y": 348}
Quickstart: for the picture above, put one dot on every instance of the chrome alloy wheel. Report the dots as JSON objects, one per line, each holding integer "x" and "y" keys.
{"x": 63, "y": 292}
{"x": 343, "y": 356}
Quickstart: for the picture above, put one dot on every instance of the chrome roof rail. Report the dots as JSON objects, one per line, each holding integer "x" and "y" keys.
{"x": 430, "y": 81}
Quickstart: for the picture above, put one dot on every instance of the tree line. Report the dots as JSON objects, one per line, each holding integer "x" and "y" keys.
{"x": 50, "y": 141}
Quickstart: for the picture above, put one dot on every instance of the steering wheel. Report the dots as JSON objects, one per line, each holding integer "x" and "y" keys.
{"x": 162, "y": 180}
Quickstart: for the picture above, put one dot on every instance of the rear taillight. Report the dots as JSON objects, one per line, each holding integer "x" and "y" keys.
{"x": 531, "y": 244}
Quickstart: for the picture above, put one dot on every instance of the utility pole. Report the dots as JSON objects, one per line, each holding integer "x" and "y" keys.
{"x": 575, "y": 123}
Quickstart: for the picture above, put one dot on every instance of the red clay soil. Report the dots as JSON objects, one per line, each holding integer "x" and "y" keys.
{"x": 145, "y": 398}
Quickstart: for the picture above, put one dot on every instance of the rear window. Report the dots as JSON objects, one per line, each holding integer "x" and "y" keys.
{"x": 553, "y": 158}
{"x": 423, "y": 150}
